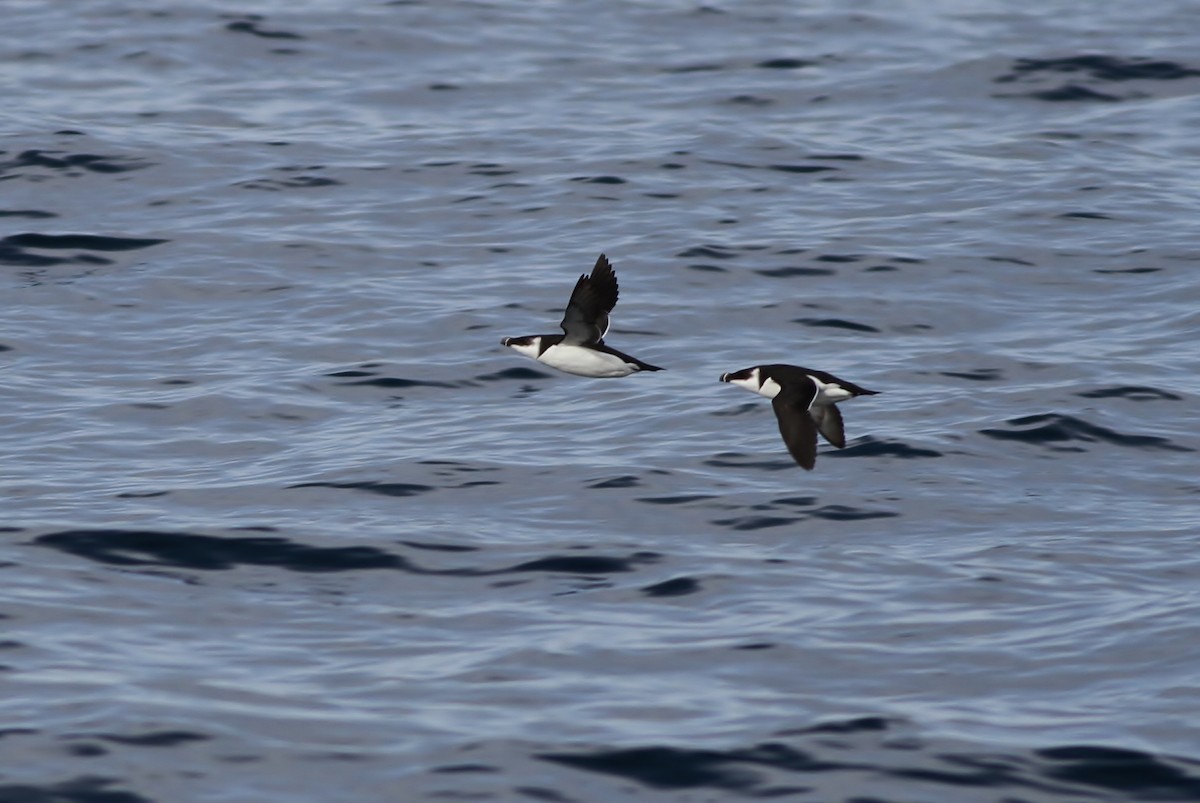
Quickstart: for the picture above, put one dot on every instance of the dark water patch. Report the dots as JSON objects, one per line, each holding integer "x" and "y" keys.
{"x": 71, "y": 162}
{"x": 6, "y": 732}
{"x": 755, "y": 645}
{"x": 676, "y": 587}
{"x": 683, "y": 768}
{"x": 5, "y": 348}
{"x": 682, "y": 499}
{"x": 212, "y": 553}
{"x": 440, "y": 547}
{"x": 249, "y": 24}
{"x": 1102, "y": 68}
{"x": 708, "y": 252}
{"x": 600, "y": 180}
{"x": 1073, "y": 92}
{"x": 740, "y": 460}
{"x": 1010, "y": 261}
{"x": 823, "y": 761}
{"x": 1138, "y": 775}
{"x": 192, "y": 551}
{"x": 85, "y": 789}
{"x": 750, "y": 100}
{"x": 839, "y": 258}
{"x": 295, "y": 182}
{"x": 400, "y": 489}
{"x": 690, "y": 68}
{"x": 869, "y": 447}
{"x": 579, "y": 564}
{"x": 706, "y": 268}
{"x": 751, "y": 523}
{"x": 837, "y": 157}
{"x": 1133, "y": 392}
{"x": 448, "y": 468}
{"x": 82, "y": 242}
{"x": 11, "y": 255}
{"x": 783, "y": 273}
{"x": 490, "y": 169}
{"x": 784, "y": 64}
{"x": 661, "y": 195}
{"x": 801, "y": 168}
{"x": 394, "y": 382}
{"x": 517, "y": 372}
{"x": 847, "y": 513}
{"x": 31, "y": 214}
{"x": 976, "y": 374}
{"x": 460, "y": 769}
{"x": 142, "y": 494}
{"x": 835, "y": 323}
{"x": 870, "y": 724}
{"x": 165, "y": 738}
{"x": 1085, "y": 216}
{"x": 625, "y": 481}
{"x": 1127, "y": 270}
{"x": 1051, "y": 429}
{"x": 795, "y": 501}
{"x": 540, "y": 793}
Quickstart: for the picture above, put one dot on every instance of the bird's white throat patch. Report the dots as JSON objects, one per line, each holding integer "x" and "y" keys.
{"x": 770, "y": 388}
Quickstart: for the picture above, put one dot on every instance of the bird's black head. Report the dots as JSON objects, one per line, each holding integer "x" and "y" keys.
{"x": 738, "y": 376}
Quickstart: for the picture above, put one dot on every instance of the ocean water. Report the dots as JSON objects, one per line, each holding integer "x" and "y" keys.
{"x": 283, "y": 521}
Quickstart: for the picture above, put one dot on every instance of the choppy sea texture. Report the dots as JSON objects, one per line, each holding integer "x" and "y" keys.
{"x": 283, "y": 520}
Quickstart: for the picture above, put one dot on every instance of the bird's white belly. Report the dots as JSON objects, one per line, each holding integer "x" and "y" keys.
{"x": 585, "y": 362}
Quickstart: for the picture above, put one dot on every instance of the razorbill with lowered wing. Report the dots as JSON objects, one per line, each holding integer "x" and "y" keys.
{"x": 581, "y": 348}
{"x": 804, "y": 402}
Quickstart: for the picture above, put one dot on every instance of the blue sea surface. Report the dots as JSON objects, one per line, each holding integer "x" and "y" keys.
{"x": 283, "y": 521}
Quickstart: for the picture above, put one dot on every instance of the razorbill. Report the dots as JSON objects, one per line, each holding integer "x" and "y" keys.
{"x": 581, "y": 348}
{"x": 804, "y": 402}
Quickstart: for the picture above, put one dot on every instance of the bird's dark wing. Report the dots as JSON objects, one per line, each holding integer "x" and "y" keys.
{"x": 586, "y": 317}
{"x": 797, "y": 427}
{"x": 829, "y": 423}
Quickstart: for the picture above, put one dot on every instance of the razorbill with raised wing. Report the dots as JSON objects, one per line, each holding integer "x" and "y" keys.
{"x": 804, "y": 402}
{"x": 581, "y": 348}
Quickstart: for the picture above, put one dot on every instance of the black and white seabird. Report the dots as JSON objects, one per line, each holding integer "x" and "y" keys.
{"x": 581, "y": 348}
{"x": 804, "y": 402}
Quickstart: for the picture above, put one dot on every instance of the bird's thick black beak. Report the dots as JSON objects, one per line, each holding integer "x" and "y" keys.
{"x": 725, "y": 377}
